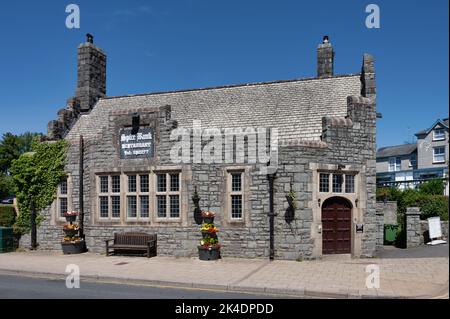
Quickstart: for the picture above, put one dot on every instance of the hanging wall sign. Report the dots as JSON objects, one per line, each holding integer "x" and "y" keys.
{"x": 137, "y": 144}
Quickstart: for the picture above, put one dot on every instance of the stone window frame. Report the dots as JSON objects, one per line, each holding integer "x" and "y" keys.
{"x": 110, "y": 194}
{"x": 226, "y": 196}
{"x": 441, "y": 154}
{"x": 67, "y": 196}
{"x": 168, "y": 193}
{"x": 331, "y": 188}
{"x": 138, "y": 193}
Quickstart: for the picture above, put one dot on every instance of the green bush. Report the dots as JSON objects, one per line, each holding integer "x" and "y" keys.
{"x": 434, "y": 187}
{"x": 7, "y": 216}
{"x": 434, "y": 205}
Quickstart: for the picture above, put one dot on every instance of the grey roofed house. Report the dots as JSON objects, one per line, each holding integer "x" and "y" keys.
{"x": 398, "y": 150}
{"x": 408, "y": 165}
{"x": 326, "y": 157}
{"x": 443, "y": 122}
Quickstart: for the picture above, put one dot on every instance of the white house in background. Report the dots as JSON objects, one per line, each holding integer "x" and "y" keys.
{"x": 424, "y": 160}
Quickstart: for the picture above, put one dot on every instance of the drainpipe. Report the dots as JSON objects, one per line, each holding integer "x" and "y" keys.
{"x": 81, "y": 190}
{"x": 271, "y": 178}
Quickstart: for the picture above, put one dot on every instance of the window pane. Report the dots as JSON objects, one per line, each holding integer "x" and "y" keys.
{"x": 439, "y": 154}
{"x": 132, "y": 206}
{"x": 115, "y": 206}
{"x": 62, "y": 206}
{"x": 144, "y": 183}
{"x": 115, "y": 184}
{"x": 337, "y": 183}
{"x": 439, "y": 134}
{"x": 63, "y": 187}
{"x": 349, "y": 183}
{"x": 161, "y": 205}
{"x": 236, "y": 182}
{"x": 104, "y": 207}
{"x": 104, "y": 184}
{"x": 132, "y": 183}
{"x": 236, "y": 206}
{"x": 174, "y": 206}
{"x": 174, "y": 182}
{"x": 144, "y": 206}
{"x": 161, "y": 181}
{"x": 324, "y": 183}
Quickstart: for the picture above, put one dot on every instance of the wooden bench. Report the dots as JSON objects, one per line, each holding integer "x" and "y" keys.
{"x": 132, "y": 242}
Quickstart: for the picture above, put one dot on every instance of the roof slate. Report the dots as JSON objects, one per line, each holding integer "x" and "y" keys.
{"x": 397, "y": 150}
{"x": 295, "y": 107}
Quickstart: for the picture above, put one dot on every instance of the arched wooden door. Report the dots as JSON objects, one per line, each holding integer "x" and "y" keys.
{"x": 336, "y": 226}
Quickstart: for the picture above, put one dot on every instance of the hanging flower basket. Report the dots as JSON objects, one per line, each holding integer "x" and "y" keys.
{"x": 208, "y": 217}
{"x": 71, "y": 216}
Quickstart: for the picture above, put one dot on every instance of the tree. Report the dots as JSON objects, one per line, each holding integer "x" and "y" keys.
{"x": 12, "y": 146}
{"x": 6, "y": 186}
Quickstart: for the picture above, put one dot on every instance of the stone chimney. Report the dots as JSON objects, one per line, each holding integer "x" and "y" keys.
{"x": 91, "y": 74}
{"x": 368, "y": 85}
{"x": 325, "y": 59}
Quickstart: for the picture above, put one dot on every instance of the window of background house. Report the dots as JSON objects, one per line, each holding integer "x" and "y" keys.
{"x": 438, "y": 134}
{"x": 168, "y": 195}
{"x": 395, "y": 164}
{"x": 413, "y": 160}
{"x": 235, "y": 180}
{"x": 62, "y": 198}
{"x": 109, "y": 196}
{"x": 337, "y": 183}
{"x": 439, "y": 154}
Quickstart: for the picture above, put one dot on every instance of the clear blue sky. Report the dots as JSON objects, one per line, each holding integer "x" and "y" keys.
{"x": 169, "y": 45}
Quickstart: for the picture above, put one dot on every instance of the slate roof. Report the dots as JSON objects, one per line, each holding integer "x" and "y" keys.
{"x": 397, "y": 150}
{"x": 295, "y": 107}
{"x": 426, "y": 131}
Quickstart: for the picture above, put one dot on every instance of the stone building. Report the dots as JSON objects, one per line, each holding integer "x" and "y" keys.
{"x": 320, "y": 133}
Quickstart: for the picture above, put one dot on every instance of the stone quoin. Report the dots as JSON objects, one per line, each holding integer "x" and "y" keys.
{"x": 326, "y": 152}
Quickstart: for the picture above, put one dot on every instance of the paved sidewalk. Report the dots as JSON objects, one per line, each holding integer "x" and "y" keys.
{"x": 331, "y": 277}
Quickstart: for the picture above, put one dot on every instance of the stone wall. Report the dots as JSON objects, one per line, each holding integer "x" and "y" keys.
{"x": 417, "y": 230}
{"x": 389, "y": 212}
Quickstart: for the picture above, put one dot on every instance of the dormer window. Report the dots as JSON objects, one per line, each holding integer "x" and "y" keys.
{"x": 438, "y": 134}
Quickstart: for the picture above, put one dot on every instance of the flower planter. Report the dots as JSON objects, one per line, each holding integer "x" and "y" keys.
{"x": 208, "y": 253}
{"x": 208, "y": 220}
{"x": 72, "y": 248}
{"x": 208, "y": 234}
{"x": 71, "y": 232}
{"x": 71, "y": 218}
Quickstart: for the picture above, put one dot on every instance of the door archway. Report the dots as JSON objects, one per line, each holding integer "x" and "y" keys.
{"x": 336, "y": 226}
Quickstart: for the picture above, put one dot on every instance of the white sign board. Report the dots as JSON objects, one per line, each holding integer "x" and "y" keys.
{"x": 434, "y": 227}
